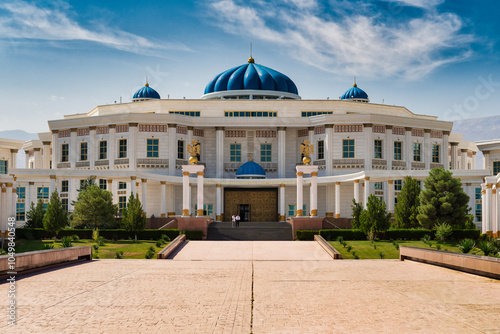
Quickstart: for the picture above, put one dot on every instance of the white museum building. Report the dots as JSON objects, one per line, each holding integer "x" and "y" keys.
{"x": 248, "y": 127}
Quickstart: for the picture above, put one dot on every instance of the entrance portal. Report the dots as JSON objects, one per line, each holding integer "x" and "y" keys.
{"x": 257, "y": 205}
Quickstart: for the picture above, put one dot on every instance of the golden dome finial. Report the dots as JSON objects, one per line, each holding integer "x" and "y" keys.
{"x": 355, "y": 85}
{"x": 251, "y": 60}
{"x": 147, "y": 84}
{"x": 250, "y": 159}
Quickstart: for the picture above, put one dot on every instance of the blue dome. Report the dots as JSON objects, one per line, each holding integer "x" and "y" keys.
{"x": 251, "y": 76}
{"x": 355, "y": 93}
{"x": 146, "y": 92}
{"x": 251, "y": 169}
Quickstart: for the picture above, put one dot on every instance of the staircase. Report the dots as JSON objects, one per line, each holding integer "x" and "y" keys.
{"x": 250, "y": 231}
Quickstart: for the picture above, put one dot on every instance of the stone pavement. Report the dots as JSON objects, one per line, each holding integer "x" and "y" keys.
{"x": 215, "y": 296}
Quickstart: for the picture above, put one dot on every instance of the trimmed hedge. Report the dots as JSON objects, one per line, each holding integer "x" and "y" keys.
{"x": 406, "y": 234}
{"x": 331, "y": 235}
{"x": 193, "y": 235}
{"x": 305, "y": 235}
{"x": 110, "y": 234}
{"x": 465, "y": 234}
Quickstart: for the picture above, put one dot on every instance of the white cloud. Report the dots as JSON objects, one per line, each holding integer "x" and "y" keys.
{"x": 365, "y": 43}
{"x": 22, "y": 20}
{"x": 418, "y": 3}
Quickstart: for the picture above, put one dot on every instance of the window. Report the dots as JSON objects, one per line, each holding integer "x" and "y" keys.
{"x": 348, "y": 148}
{"x": 377, "y": 145}
{"x": 21, "y": 192}
{"x": 83, "y": 152}
{"x": 397, "y": 150}
{"x": 3, "y": 167}
{"x": 122, "y": 203}
{"x": 478, "y": 193}
{"x": 122, "y": 185}
{"x": 186, "y": 113}
{"x": 398, "y": 185}
{"x": 64, "y": 204}
{"x": 315, "y": 113}
{"x": 250, "y": 114}
{"x": 122, "y": 148}
{"x": 152, "y": 148}
{"x": 235, "y": 153}
{"x": 64, "y": 186}
{"x": 20, "y": 212}
{"x": 42, "y": 192}
{"x": 81, "y": 183}
{"x": 435, "y": 153}
{"x": 416, "y": 152}
{"x": 64, "y": 152}
{"x": 208, "y": 208}
{"x": 102, "y": 184}
{"x": 321, "y": 150}
{"x": 479, "y": 212}
{"x": 496, "y": 167}
{"x": 379, "y": 186}
{"x": 180, "y": 149}
{"x": 103, "y": 150}
{"x": 292, "y": 210}
{"x": 265, "y": 153}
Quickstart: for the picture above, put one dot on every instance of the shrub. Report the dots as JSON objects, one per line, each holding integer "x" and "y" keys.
{"x": 119, "y": 255}
{"x": 96, "y": 248}
{"x": 165, "y": 237}
{"x": 374, "y": 218}
{"x": 354, "y": 253}
{"x": 345, "y": 234}
{"x": 100, "y": 241}
{"x": 443, "y": 231}
{"x": 66, "y": 242}
{"x": 75, "y": 237}
{"x": 438, "y": 246}
{"x": 466, "y": 245}
{"x": 349, "y": 248}
{"x": 356, "y": 257}
{"x": 48, "y": 246}
{"x": 374, "y": 246}
{"x": 381, "y": 254}
{"x": 95, "y": 234}
{"x": 473, "y": 234}
{"x": 150, "y": 253}
{"x": 193, "y": 235}
{"x": 304, "y": 235}
{"x": 487, "y": 247}
{"x": 159, "y": 243}
{"x": 340, "y": 239}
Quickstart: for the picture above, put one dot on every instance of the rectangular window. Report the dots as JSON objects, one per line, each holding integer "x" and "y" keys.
{"x": 122, "y": 148}
{"x": 81, "y": 183}
{"x": 186, "y": 113}
{"x": 122, "y": 185}
{"x": 42, "y": 192}
{"x": 152, "y": 148}
{"x": 478, "y": 193}
{"x": 397, "y": 150}
{"x": 21, "y": 192}
{"x": 398, "y": 185}
{"x": 83, "y": 152}
{"x": 180, "y": 149}
{"x": 321, "y": 149}
{"x": 377, "y": 146}
{"x": 122, "y": 203}
{"x": 208, "y": 208}
{"x": 3, "y": 167}
{"x": 379, "y": 186}
{"x": 103, "y": 150}
{"x": 315, "y": 113}
{"x": 64, "y": 204}
{"x": 496, "y": 167}
{"x": 479, "y": 212}
{"x": 292, "y": 210}
{"x": 64, "y": 152}
{"x": 102, "y": 184}
{"x": 64, "y": 186}
{"x": 435, "y": 153}
{"x": 265, "y": 153}
{"x": 416, "y": 152}
{"x": 348, "y": 148}
{"x": 235, "y": 152}
{"x": 20, "y": 212}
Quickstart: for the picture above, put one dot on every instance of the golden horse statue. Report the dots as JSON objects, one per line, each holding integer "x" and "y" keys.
{"x": 194, "y": 149}
{"x": 306, "y": 149}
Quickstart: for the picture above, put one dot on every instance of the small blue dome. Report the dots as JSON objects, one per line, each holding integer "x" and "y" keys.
{"x": 355, "y": 93}
{"x": 251, "y": 169}
{"x": 146, "y": 92}
{"x": 251, "y": 76}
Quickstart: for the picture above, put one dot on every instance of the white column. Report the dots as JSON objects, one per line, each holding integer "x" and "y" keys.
{"x": 26, "y": 160}
{"x": 282, "y": 216}
{"x": 281, "y": 152}
{"x": 487, "y": 209}
{"x": 463, "y": 158}
{"x": 367, "y": 129}
{"x": 218, "y": 204}
{"x": 13, "y": 159}
{"x": 494, "y": 209}
{"x": 330, "y": 200}
{"x": 200, "y": 203}
{"x": 73, "y": 150}
{"x": 133, "y": 190}
{"x": 408, "y": 148}
{"x": 55, "y": 148}
{"x": 170, "y": 201}
{"x": 186, "y": 190}
{"x": 389, "y": 146}
{"x": 144, "y": 183}
{"x": 8, "y": 207}
{"x": 337, "y": 199}
{"x": 329, "y": 149}
{"x": 390, "y": 195}
{"x": 427, "y": 152}
{"x": 46, "y": 155}
{"x": 38, "y": 158}
{"x": 14, "y": 202}
{"x": 300, "y": 200}
{"x": 132, "y": 146}
{"x": 496, "y": 228}
{"x": 111, "y": 146}
{"x": 29, "y": 196}
{"x": 454, "y": 147}
{"x": 163, "y": 194}
{"x": 444, "y": 150}
{"x": 219, "y": 152}
{"x": 483, "y": 211}
{"x": 314, "y": 194}
{"x": 474, "y": 160}
{"x": 3, "y": 207}
{"x": 172, "y": 148}
{"x": 356, "y": 191}
{"x": 92, "y": 145}
{"x": 367, "y": 191}
{"x": 52, "y": 186}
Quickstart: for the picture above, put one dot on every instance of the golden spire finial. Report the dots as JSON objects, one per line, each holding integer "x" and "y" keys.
{"x": 251, "y": 60}
{"x": 355, "y": 85}
{"x": 147, "y": 84}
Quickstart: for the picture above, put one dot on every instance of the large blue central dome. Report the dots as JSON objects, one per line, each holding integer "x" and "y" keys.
{"x": 252, "y": 77}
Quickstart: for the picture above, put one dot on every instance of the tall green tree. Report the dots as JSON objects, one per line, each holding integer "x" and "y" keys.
{"x": 357, "y": 208}
{"x": 374, "y": 218}
{"x": 94, "y": 208}
{"x": 443, "y": 201}
{"x": 406, "y": 209}
{"x": 34, "y": 217}
{"x": 134, "y": 218}
{"x": 56, "y": 218}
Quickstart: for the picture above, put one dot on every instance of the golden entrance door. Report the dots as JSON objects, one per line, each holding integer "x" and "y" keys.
{"x": 259, "y": 205}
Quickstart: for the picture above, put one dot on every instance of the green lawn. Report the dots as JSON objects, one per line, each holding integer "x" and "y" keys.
{"x": 366, "y": 250}
{"x": 131, "y": 249}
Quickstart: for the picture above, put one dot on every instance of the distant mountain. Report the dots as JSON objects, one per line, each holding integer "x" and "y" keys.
{"x": 475, "y": 129}
{"x": 18, "y": 135}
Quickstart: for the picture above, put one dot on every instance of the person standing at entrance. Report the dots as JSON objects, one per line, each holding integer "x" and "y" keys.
{"x": 233, "y": 220}
{"x": 238, "y": 221}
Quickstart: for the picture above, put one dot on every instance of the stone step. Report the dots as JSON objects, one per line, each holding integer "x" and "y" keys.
{"x": 250, "y": 231}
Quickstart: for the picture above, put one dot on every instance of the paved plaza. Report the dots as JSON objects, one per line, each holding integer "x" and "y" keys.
{"x": 209, "y": 294}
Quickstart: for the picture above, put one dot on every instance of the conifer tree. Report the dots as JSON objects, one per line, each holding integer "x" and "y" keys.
{"x": 406, "y": 209}
{"x": 34, "y": 217}
{"x": 357, "y": 208}
{"x": 94, "y": 208}
{"x": 375, "y": 217}
{"x": 56, "y": 218}
{"x": 134, "y": 218}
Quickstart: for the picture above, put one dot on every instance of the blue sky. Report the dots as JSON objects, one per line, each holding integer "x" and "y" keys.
{"x": 61, "y": 57}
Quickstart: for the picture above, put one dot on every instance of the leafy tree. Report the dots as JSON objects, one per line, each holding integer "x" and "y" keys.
{"x": 375, "y": 218}
{"x": 443, "y": 231}
{"x": 443, "y": 201}
{"x": 94, "y": 208}
{"x": 406, "y": 209}
{"x": 134, "y": 218}
{"x": 357, "y": 208}
{"x": 56, "y": 218}
{"x": 34, "y": 217}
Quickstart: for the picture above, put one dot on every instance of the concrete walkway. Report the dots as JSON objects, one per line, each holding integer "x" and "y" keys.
{"x": 251, "y": 251}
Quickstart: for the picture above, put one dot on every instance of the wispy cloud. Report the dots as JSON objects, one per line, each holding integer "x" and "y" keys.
{"x": 21, "y": 20}
{"x": 364, "y": 41}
